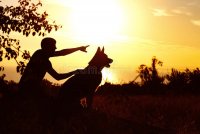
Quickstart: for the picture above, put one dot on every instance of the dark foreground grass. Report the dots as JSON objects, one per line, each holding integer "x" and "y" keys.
{"x": 175, "y": 114}
{"x": 144, "y": 114}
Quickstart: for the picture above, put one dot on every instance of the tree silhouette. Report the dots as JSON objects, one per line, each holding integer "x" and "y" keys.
{"x": 149, "y": 75}
{"x": 3, "y": 85}
{"x": 194, "y": 78}
{"x": 25, "y": 19}
{"x": 177, "y": 79}
{"x": 184, "y": 80}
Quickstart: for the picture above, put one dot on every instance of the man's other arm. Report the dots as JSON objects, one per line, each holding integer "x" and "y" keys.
{"x": 58, "y": 76}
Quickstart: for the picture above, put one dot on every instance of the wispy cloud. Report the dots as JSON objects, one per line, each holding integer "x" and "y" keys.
{"x": 194, "y": 3}
{"x": 181, "y": 11}
{"x": 160, "y": 12}
{"x": 196, "y": 22}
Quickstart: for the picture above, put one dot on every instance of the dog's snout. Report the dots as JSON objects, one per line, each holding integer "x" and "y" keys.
{"x": 110, "y": 60}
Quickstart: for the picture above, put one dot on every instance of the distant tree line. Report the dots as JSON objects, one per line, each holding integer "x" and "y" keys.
{"x": 9, "y": 88}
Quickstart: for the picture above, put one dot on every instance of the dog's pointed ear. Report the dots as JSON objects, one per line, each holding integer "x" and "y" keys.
{"x": 102, "y": 50}
{"x": 98, "y": 50}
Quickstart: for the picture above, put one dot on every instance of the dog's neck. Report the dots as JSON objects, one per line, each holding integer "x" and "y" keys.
{"x": 93, "y": 69}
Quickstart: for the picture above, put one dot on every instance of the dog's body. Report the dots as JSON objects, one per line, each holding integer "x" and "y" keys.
{"x": 84, "y": 84}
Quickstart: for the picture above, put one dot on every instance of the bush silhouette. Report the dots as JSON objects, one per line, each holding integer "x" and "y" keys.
{"x": 149, "y": 75}
{"x": 177, "y": 79}
{"x": 194, "y": 79}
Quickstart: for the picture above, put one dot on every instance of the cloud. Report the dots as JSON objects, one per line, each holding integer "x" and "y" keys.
{"x": 194, "y": 3}
{"x": 181, "y": 11}
{"x": 160, "y": 12}
{"x": 196, "y": 22}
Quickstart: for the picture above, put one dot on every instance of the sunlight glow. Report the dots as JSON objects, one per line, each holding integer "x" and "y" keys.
{"x": 96, "y": 21}
{"x": 108, "y": 76}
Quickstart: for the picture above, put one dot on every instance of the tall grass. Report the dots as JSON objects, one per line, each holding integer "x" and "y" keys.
{"x": 179, "y": 114}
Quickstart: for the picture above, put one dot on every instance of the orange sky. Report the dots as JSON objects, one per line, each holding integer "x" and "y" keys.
{"x": 131, "y": 31}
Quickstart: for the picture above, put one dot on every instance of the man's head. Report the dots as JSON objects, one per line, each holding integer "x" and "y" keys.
{"x": 48, "y": 45}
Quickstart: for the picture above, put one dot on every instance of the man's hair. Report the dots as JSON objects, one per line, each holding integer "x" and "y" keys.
{"x": 47, "y": 42}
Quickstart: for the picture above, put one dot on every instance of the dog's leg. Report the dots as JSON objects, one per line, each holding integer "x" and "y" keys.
{"x": 83, "y": 102}
{"x": 89, "y": 101}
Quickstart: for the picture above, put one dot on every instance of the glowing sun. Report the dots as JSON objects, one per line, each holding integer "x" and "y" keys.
{"x": 95, "y": 21}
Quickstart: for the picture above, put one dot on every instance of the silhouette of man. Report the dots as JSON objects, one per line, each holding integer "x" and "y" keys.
{"x": 39, "y": 64}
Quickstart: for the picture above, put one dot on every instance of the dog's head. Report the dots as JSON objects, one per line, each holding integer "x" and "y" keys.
{"x": 100, "y": 59}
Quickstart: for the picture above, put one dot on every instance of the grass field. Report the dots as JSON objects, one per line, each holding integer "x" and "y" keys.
{"x": 117, "y": 114}
{"x": 167, "y": 113}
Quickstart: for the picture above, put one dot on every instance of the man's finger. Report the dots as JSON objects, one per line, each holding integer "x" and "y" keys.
{"x": 87, "y": 46}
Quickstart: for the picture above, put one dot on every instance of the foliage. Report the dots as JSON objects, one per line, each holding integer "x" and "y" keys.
{"x": 50, "y": 89}
{"x": 188, "y": 79}
{"x": 116, "y": 89}
{"x": 194, "y": 78}
{"x": 7, "y": 88}
{"x": 27, "y": 20}
{"x": 177, "y": 79}
{"x": 149, "y": 75}
{"x": 10, "y": 87}
{"x": 3, "y": 85}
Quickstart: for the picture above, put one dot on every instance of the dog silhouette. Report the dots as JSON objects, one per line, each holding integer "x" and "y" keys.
{"x": 79, "y": 89}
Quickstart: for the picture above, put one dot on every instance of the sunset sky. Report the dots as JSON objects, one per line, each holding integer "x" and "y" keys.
{"x": 132, "y": 32}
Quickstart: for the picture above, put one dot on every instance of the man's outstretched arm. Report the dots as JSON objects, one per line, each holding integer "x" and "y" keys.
{"x": 58, "y": 76}
{"x": 69, "y": 51}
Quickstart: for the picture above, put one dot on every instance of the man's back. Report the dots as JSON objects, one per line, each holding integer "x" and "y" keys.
{"x": 35, "y": 70}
